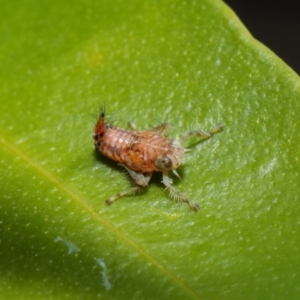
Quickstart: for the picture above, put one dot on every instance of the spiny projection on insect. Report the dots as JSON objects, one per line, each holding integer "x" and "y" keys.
{"x": 144, "y": 152}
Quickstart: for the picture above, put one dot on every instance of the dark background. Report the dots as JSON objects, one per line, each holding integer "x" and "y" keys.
{"x": 274, "y": 23}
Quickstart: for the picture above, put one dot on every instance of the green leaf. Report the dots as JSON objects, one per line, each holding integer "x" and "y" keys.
{"x": 190, "y": 63}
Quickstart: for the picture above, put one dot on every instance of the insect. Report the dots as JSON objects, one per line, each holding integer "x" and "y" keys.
{"x": 144, "y": 152}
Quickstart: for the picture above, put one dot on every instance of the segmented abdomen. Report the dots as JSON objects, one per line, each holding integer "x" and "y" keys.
{"x": 114, "y": 142}
{"x": 136, "y": 150}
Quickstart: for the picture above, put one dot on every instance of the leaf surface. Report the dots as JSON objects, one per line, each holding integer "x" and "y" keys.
{"x": 192, "y": 64}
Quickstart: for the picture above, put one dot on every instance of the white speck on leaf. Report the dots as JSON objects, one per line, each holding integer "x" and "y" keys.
{"x": 105, "y": 279}
{"x": 72, "y": 248}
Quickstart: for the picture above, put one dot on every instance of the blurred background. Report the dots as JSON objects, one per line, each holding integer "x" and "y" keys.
{"x": 274, "y": 23}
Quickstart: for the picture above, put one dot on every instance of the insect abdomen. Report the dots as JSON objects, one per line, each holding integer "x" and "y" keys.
{"x": 114, "y": 143}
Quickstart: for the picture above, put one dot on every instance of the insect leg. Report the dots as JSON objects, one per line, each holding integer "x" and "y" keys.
{"x": 201, "y": 134}
{"x": 110, "y": 200}
{"x": 132, "y": 125}
{"x": 162, "y": 128}
{"x": 140, "y": 179}
{"x": 167, "y": 181}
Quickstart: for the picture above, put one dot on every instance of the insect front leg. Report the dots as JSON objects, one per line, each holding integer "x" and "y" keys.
{"x": 167, "y": 181}
{"x": 202, "y": 135}
{"x": 140, "y": 179}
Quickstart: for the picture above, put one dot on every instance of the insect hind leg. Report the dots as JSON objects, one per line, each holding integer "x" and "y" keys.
{"x": 111, "y": 199}
{"x": 140, "y": 179}
{"x": 176, "y": 193}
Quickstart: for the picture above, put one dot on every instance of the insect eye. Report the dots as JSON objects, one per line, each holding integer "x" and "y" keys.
{"x": 163, "y": 163}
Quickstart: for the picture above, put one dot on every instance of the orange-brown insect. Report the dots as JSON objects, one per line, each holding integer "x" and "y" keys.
{"x": 144, "y": 152}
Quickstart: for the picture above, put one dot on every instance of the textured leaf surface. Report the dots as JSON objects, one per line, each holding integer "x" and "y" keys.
{"x": 190, "y": 63}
